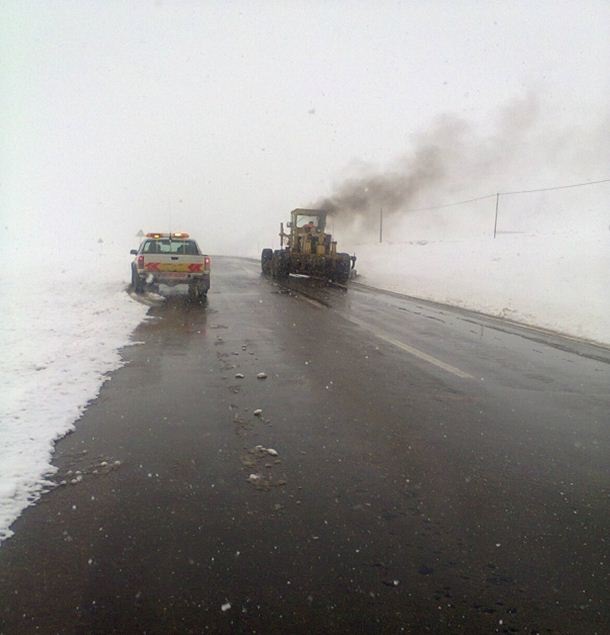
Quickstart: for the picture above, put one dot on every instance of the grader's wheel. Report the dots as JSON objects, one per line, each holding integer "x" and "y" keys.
{"x": 266, "y": 258}
{"x": 342, "y": 269}
{"x": 279, "y": 264}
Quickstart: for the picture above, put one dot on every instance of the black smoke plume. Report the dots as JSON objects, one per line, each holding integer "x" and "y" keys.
{"x": 451, "y": 160}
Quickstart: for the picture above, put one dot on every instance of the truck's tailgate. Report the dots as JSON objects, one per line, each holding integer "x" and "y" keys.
{"x": 178, "y": 264}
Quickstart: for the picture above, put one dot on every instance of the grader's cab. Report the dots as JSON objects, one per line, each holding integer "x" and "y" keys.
{"x": 307, "y": 249}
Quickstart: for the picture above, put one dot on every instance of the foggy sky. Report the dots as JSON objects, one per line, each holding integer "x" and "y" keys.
{"x": 218, "y": 118}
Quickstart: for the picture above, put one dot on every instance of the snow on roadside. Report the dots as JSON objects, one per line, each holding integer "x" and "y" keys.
{"x": 559, "y": 281}
{"x": 62, "y": 325}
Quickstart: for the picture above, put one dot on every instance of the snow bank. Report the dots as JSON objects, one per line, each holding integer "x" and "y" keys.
{"x": 549, "y": 265}
{"x": 64, "y": 317}
{"x": 558, "y": 281}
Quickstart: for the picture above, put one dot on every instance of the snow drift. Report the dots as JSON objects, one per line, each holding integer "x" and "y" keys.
{"x": 62, "y": 325}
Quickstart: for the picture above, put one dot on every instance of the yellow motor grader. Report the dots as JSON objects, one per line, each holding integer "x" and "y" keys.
{"x": 307, "y": 249}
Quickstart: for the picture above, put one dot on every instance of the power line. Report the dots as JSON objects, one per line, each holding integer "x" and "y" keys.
{"x": 558, "y": 187}
{"x": 470, "y": 200}
{"x": 482, "y": 198}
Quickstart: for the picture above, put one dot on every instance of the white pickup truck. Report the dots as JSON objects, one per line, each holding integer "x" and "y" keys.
{"x": 170, "y": 259}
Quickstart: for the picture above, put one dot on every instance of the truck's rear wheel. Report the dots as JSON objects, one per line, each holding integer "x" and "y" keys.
{"x": 197, "y": 293}
{"x": 136, "y": 282}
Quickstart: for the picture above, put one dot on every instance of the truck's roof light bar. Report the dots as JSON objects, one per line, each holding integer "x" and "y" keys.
{"x": 180, "y": 235}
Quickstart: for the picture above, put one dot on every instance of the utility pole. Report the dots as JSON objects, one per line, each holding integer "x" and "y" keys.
{"x": 381, "y": 224}
{"x": 496, "y": 218}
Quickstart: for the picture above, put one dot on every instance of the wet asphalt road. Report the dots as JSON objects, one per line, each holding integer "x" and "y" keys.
{"x": 436, "y": 472}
